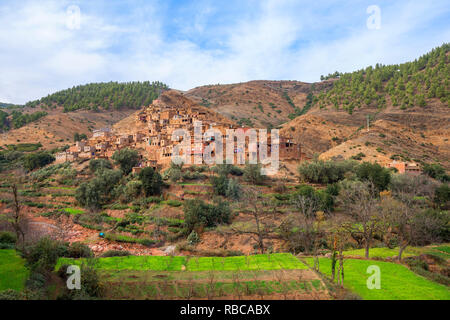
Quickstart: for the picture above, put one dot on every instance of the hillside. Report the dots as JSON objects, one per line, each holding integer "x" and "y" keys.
{"x": 407, "y": 107}
{"x": 53, "y": 120}
{"x": 257, "y": 103}
{"x": 169, "y": 98}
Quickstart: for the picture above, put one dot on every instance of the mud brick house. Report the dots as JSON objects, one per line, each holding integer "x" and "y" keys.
{"x": 154, "y": 129}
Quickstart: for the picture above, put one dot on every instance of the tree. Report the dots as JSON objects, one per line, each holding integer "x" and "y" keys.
{"x": 98, "y": 191}
{"x": 99, "y": 164}
{"x": 151, "y": 181}
{"x": 126, "y": 159}
{"x": 308, "y": 221}
{"x": 436, "y": 171}
{"x": 198, "y": 214}
{"x": 37, "y": 160}
{"x": 361, "y": 201}
{"x": 253, "y": 203}
{"x": 375, "y": 174}
{"x": 252, "y": 174}
{"x": 18, "y": 221}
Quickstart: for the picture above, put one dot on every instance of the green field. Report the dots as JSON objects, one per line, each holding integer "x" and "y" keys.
{"x": 12, "y": 271}
{"x": 397, "y": 281}
{"x": 382, "y": 252}
{"x": 175, "y": 263}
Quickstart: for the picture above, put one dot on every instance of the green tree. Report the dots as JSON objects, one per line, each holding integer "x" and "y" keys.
{"x": 151, "y": 181}
{"x": 126, "y": 159}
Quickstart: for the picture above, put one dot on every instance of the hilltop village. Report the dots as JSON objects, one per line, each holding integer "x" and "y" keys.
{"x": 151, "y": 134}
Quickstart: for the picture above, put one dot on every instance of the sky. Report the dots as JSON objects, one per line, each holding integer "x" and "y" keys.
{"x": 46, "y": 46}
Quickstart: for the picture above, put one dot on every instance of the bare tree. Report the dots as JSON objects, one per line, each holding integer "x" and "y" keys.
{"x": 307, "y": 221}
{"x": 360, "y": 199}
{"x": 254, "y": 204}
{"x": 18, "y": 220}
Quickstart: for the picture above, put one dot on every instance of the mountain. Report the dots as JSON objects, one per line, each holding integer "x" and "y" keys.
{"x": 406, "y": 106}
{"x": 263, "y": 104}
{"x": 53, "y": 120}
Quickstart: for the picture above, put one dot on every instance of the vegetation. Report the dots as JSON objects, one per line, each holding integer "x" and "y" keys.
{"x": 13, "y": 272}
{"x": 406, "y": 85}
{"x": 126, "y": 159}
{"x": 397, "y": 281}
{"x": 34, "y": 161}
{"x": 111, "y": 95}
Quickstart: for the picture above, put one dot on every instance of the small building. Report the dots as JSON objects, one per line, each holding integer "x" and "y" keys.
{"x": 405, "y": 167}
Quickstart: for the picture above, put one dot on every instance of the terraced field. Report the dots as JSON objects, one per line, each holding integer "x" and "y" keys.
{"x": 275, "y": 261}
{"x": 13, "y": 272}
{"x": 397, "y": 281}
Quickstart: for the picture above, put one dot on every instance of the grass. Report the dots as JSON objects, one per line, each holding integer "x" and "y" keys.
{"x": 13, "y": 272}
{"x": 73, "y": 211}
{"x": 174, "y": 263}
{"x": 397, "y": 281}
{"x": 382, "y": 252}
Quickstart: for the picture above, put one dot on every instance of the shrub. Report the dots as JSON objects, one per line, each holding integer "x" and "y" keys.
{"x": 126, "y": 159}
{"x": 436, "y": 171}
{"x": 79, "y": 250}
{"x": 252, "y": 174}
{"x": 115, "y": 253}
{"x": 8, "y": 237}
{"x": 193, "y": 238}
{"x": 325, "y": 172}
{"x": 220, "y": 184}
{"x": 173, "y": 174}
{"x": 98, "y": 164}
{"x": 441, "y": 196}
{"x": 45, "y": 253}
{"x": 151, "y": 181}
{"x": 99, "y": 190}
{"x": 200, "y": 214}
{"x": 37, "y": 160}
{"x": 233, "y": 189}
{"x": 132, "y": 190}
{"x": 373, "y": 172}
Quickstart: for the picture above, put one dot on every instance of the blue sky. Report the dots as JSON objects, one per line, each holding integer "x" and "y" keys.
{"x": 45, "y": 47}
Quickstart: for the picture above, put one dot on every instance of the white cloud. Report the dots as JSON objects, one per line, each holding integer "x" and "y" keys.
{"x": 275, "y": 40}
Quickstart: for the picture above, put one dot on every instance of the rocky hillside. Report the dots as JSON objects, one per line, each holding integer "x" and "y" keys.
{"x": 263, "y": 104}
{"x": 406, "y": 107}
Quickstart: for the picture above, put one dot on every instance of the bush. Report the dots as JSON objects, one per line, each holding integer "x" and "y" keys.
{"x": 99, "y": 164}
{"x": 45, "y": 253}
{"x": 252, "y": 174}
{"x": 436, "y": 171}
{"x": 37, "y": 160}
{"x": 373, "y": 172}
{"x": 220, "y": 184}
{"x": 79, "y": 250}
{"x": 126, "y": 159}
{"x": 11, "y": 294}
{"x": 200, "y": 214}
{"x": 233, "y": 189}
{"x": 193, "y": 238}
{"x": 115, "y": 253}
{"x": 99, "y": 190}
{"x": 173, "y": 174}
{"x": 441, "y": 197}
{"x": 325, "y": 172}
{"x": 151, "y": 181}
{"x": 132, "y": 190}
{"x": 8, "y": 237}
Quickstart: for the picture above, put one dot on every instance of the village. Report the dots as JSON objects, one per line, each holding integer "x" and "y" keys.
{"x": 155, "y": 128}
